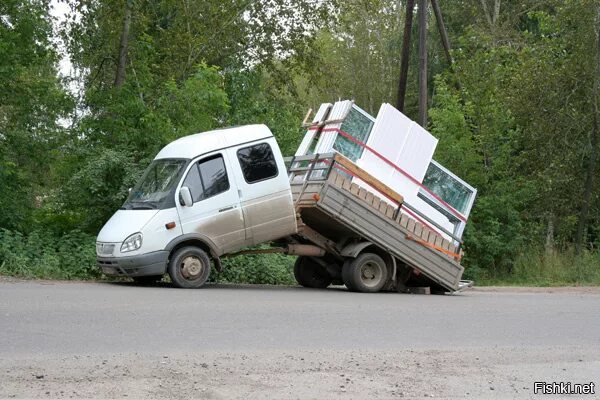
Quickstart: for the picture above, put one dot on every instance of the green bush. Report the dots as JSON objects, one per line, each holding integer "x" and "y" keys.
{"x": 269, "y": 269}
{"x": 43, "y": 255}
{"x": 46, "y": 255}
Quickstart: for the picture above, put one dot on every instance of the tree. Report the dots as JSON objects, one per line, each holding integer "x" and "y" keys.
{"x": 31, "y": 102}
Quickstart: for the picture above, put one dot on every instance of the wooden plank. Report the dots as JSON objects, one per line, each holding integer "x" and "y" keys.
{"x": 383, "y": 207}
{"x": 404, "y": 220}
{"x": 368, "y": 178}
{"x": 370, "y": 197}
{"x": 425, "y": 234}
{"x": 418, "y": 229}
{"x": 354, "y": 189}
{"x": 346, "y": 185}
{"x": 419, "y": 290}
{"x": 438, "y": 241}
{"x": 445, "y": 244}
{"x": 411, "y": 225}
{"x": 376, "y": 202}
{"x": 362, "y": 193}
{"x": 390, "y": 211}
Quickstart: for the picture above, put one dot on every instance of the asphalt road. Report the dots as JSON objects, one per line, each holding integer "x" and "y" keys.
{"x": 114, "y": 340}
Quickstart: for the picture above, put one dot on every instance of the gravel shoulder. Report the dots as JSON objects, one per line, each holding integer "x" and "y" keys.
{"x": 499, "y": 373}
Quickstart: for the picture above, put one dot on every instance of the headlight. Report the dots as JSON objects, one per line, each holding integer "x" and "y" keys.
{"x": 132, "y": 243}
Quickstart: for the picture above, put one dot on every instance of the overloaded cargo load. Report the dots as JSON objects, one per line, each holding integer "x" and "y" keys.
{"x": 398, "y": 152}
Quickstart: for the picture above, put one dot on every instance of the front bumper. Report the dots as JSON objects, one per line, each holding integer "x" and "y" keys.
{"x": 154, "y": 263}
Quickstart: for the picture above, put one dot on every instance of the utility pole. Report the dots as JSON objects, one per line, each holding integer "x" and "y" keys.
{"x": 423, "y": 63}
{"x": 404, "y": 59}
{"x": 410, "y": 6}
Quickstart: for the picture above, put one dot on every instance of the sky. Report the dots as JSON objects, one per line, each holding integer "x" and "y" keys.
{"x": 59, "y": 10}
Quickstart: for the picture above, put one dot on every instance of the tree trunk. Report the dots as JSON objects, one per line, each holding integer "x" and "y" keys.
{"x": 593, "y": 158}
{"x": 496, "y": 11}
{"x": 423, "y": 63}
{"x": 410, "y": 6}
{"x": 123, "y": 44}
{"x": 442, "y": 28}
{"x": 491, "y": 17}
{"x": 549, "y": 245}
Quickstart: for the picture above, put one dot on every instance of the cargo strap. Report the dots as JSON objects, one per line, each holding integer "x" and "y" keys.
{"x": 452, "y": 254}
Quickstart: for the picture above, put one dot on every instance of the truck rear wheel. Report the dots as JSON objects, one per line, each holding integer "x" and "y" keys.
{"x": 309, "y": 273}
{"x": 366, "y": 273}
{"x": 189, "y": 267}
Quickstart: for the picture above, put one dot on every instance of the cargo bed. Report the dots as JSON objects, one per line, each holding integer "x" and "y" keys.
{"x": 333, "y": 212}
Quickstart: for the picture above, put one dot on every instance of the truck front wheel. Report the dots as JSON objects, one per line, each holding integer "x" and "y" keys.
{"x": 189, "y": 267}
{"x": 309, "y": 273}
{"x": 366, "y": 273}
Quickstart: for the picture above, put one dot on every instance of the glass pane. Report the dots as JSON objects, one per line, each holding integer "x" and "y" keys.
{"x": 158, "y": 181}
{"x": 214, "y": 176}
{"x": 357, "y": 125}
{"x": 257, "y": 162}
{"x": 192, "y": 181}
{"x": 447, "y": 188}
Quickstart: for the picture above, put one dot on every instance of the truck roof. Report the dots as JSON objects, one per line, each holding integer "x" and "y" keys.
{"x": 201, "y": 143}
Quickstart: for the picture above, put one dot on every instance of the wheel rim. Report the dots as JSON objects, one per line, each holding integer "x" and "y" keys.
{"x": 191, "y": 267}
{"x": 371, "y": 274}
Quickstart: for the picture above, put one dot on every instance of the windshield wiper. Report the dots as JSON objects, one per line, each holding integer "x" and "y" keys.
{"x": 144, "y": 207}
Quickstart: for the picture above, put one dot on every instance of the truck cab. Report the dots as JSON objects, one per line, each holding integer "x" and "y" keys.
{"x": 203, "y": 196}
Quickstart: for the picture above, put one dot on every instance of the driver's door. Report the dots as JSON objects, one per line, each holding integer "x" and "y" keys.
{"x": 216, "y": 213}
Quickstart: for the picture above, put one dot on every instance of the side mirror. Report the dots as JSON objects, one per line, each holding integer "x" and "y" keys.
{"x": 185, "y": 197}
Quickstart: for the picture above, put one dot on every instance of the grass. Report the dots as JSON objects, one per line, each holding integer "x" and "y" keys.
{"x": 538, "y": 268}
{"x": 43, "y": 255}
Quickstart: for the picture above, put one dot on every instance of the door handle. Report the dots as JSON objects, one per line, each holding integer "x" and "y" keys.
{"x": 226, "y": 208}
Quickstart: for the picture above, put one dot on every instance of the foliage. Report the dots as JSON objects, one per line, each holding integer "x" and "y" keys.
{"x": 101, "y": 185}
{"x": 261, "y": 97}
{"x": 43, "y": 255}
{"x": 536, "y": 267}
{"x": 270, "y": 269}
{"x": 31, "y": 102}
{"x": 517, "y": 114}
{"x": 15, "y": 202}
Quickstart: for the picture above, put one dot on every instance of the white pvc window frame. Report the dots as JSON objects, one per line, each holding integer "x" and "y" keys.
{"x": 366, "y": 139}
{"x": 460, "y": 226}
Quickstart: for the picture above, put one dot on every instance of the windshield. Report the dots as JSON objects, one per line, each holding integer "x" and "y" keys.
{"x": 156, "y": 187}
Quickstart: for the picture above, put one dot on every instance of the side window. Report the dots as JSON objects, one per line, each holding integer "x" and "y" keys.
{"x": 192, "y": 180}
{"x": 207, "y": 178}
{"x": 214, "y": 176}
{"x": 257, "y": 162}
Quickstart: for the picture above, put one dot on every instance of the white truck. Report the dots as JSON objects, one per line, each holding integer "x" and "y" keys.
{"x": 212, "y": 194}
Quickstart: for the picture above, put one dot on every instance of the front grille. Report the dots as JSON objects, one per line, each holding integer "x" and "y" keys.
{"x": 105, "y": 249}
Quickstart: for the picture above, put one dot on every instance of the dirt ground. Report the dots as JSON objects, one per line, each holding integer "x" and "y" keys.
{"x": 501, "y": 373}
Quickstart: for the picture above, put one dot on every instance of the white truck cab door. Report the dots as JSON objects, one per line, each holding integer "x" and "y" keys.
{"x": 216, "y": 213}
{"x": 264, "y": 189}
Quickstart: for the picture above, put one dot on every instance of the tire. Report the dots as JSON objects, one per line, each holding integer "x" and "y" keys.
{"x": 309, "y": 273}
{"x": 189, "y": 267}
{"x": 346, "y": 275}
{"x": 367, "y": 273}
{"x": 147, "y": 280}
